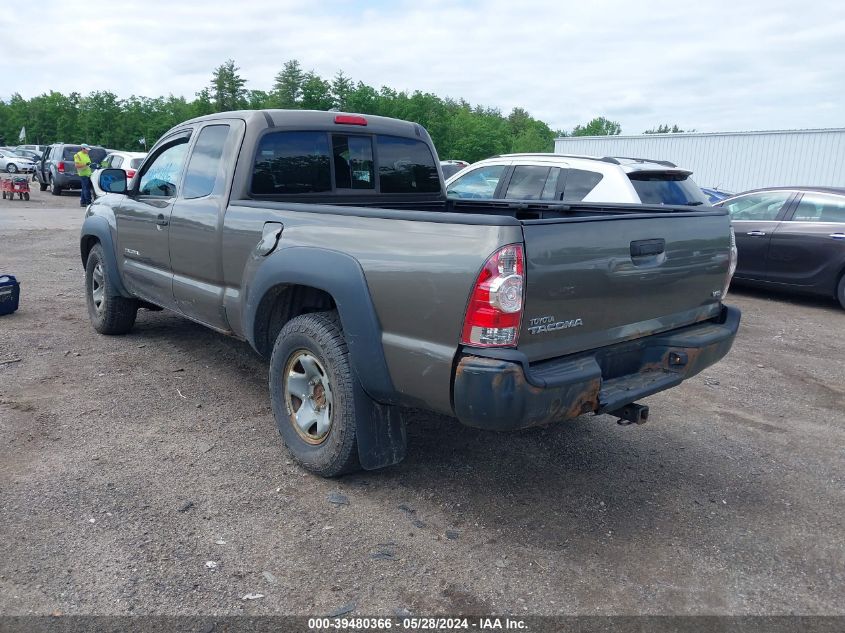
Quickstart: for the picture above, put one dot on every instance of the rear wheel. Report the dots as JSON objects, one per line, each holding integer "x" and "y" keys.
{"x": 54, "y": 188}
{"x": 840, "y": 291}
{"x": 109, "y": 313}
{"x": 12, "y": 168}
{"x": 26, "y": 197}
{"x": 312, "y": 390}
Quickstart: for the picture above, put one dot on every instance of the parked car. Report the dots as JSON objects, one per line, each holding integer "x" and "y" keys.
{"x": 13, "y": 163}
{"x": 716, "y": 195}
{"x": 326, "y": 240}
{"x": 791, "y": 238}
{"x": 570, "y": 178}
{"x": 38, "y": 149}
{"x": 452, "y": 167}
{"x": 56, "y": 170}
{"x": 127, "y": 161}
{"x": 28, "y": 153}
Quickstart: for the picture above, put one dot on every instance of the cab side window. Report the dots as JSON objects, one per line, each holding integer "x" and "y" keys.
{"x": 161, "y": 176}
{"x": 204, "y": 163}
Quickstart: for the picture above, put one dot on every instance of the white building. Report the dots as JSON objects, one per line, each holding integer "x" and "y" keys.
{"x": 732, "y": 161}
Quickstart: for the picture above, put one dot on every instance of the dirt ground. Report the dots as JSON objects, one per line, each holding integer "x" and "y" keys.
{"x": 144, "y": 474}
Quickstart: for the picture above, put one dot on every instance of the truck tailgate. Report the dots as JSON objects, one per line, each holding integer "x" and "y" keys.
{"x": 596, "y": 281}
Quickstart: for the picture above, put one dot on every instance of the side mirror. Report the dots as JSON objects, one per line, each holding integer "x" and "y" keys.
{"x": 113, "y": 181}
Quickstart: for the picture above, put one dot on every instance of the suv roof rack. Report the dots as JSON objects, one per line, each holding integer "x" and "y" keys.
{"x": 605, "y": 159}
{"x": 614, "y": 160}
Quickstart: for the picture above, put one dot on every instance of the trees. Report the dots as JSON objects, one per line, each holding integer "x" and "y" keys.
{"x": 599, "y": 126}
{"x": 287, "y": 89}
{"x": 665, "y": 129}
{"x": 529, "y": 134}
{"x": 227, "y": 87}
{"x": 342, "y": 87}
{"x": 316, "y": 93}
{"x": 459, "y": 129}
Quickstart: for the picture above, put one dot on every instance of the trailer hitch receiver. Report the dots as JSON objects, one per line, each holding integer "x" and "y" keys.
{"x": 631, "y": 414}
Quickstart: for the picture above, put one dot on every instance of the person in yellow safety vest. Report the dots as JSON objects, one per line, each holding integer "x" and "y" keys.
{"x": 82, "y": 162}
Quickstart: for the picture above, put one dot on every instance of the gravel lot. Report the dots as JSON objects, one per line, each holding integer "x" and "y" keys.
{"x": 144, "y": 474}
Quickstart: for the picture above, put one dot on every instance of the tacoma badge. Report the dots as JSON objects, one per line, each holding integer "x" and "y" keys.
{"x": 548, "y": 324}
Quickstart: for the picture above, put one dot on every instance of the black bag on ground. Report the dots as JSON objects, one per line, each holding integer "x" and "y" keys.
{"x": 10, "y": 291}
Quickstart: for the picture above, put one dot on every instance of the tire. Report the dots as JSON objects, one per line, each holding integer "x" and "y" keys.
{"x": 54, "y": 188}
{"x": 840, "y": 291}
{"x": 109, "y": 314}
{"x": 12, "y": 168}
{"x": 26, "y": 197}
{"x": 311, "y": 351}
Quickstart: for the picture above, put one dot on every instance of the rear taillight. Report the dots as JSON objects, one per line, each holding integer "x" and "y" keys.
{"x": 61, "y": 167}
{"x": 494, "y": 312}
{"x": 129, "y": 173}
{"x": 731, "y": 265}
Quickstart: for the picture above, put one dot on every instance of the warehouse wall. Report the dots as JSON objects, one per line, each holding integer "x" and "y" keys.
{"x": 732, "y": 161}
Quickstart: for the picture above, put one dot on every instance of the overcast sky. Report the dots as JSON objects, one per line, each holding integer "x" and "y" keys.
{"x": 708, "y": 65}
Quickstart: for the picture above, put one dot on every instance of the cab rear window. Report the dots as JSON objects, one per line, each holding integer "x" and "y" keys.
{"x": 318, "y": 162}
{"x": 406, "y": 166}
{"x": 667, "y": 188}
{"x": 292, "y": 163}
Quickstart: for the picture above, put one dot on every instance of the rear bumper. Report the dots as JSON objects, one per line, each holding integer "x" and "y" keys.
{"x": 68, "y": 182}
{"x": 498, "y": 394}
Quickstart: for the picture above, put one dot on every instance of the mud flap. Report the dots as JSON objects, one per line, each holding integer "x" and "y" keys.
{"x": 380, "y": 430}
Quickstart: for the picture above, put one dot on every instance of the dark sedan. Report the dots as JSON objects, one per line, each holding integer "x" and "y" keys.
{"x": 791, "y": 238}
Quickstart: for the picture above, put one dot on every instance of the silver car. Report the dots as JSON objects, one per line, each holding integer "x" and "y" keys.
{"x": 13, "y": 163}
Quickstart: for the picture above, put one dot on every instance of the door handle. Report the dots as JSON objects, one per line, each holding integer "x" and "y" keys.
{"x": 838, "y": 236}
{"x": 161, "y": 220}
{"x": 756, "y": 233}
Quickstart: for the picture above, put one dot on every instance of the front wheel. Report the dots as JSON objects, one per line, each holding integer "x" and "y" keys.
{"x": 109, "y": 313}
{"x": 312, "y": 389}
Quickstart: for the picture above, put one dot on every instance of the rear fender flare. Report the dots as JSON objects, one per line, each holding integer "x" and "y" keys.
{"x": 340, "y": 276}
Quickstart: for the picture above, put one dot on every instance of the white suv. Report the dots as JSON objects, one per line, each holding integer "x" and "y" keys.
{"x": 570, "y": 178}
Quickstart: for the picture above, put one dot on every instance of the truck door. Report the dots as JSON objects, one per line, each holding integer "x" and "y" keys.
{"x": 197, "y": 220}
{"x": 143, "y": 220}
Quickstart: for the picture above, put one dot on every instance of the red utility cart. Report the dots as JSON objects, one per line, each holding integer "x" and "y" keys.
{"x": 15, "y": 185}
